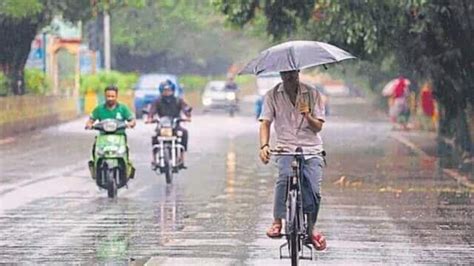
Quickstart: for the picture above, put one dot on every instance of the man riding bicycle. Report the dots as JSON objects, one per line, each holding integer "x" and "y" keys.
{"x": 298, "y": 113}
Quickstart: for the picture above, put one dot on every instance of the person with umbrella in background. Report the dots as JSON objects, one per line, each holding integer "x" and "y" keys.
{"x": 398, "y": 91}
{"x": 297, "y": 112}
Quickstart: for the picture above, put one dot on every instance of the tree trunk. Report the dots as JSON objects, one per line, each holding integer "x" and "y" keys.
{"x": 455, "y": 144}
{"x": 463, "y": 140}
{"x": 446, "y": 151}
{"x": 15, "y": 45}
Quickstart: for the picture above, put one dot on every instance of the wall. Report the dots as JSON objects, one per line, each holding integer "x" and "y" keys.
{"x": 24, "y": 113}
{"x": 20, "y": 114}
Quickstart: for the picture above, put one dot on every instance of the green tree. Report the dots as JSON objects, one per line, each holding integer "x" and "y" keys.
{"x": 189, "y": 33}
{"x": 21, "y": 20}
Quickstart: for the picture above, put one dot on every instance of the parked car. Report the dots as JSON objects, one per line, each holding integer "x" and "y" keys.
{"x": 146, "y": 90}
{"x": 216, "y": 97}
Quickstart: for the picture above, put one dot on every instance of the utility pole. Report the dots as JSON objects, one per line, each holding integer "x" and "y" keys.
{"x": 107, "y": 40}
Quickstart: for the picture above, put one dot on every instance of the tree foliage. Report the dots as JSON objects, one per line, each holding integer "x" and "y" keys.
{"x": 20, "y": 21}
{"x": 283, "y": 15}
{"x": 186, "y": 35}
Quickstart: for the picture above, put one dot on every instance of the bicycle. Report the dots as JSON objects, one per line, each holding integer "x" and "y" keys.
{"x": 297, "y": 224}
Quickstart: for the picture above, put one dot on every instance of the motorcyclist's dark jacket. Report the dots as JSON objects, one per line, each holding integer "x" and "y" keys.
{"x": 168, "y": 106}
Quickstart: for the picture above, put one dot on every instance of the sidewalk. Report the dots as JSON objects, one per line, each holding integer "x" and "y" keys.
{"x": 424, "y": 144}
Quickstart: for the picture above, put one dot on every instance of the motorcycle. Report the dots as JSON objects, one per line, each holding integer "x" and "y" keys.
{"x": 168, "y": 149}
{"x": 110, "y": 166}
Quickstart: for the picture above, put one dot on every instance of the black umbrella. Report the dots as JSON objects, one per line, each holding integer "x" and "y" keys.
{"x": 295, "y": 55}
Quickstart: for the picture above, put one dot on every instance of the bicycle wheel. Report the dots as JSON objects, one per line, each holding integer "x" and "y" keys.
{"x": 292, "y": 229}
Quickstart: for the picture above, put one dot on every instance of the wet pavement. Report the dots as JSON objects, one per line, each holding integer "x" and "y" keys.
{"x": 382, "y": 202}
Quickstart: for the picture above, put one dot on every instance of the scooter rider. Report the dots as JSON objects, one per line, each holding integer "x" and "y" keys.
{"x": 111, "y": 109}
{"x": 168, "y": 105}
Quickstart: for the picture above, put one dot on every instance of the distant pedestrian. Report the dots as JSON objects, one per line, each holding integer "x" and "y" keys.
{"x": 428, "y": 107}
{"x": 399, "y": 107}
{"x": 230, "y": 84}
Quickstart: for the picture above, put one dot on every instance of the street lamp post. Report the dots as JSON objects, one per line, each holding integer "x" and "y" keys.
{"x": 107, "y": 40}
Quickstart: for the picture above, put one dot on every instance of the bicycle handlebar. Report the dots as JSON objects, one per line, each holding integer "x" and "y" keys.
{"x": 157, "y": 121}
{"x": 288, "y": 153}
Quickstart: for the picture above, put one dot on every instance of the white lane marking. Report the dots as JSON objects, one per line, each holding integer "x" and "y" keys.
{"x": 190, "y": 261}
{"x": 203, "y": 215}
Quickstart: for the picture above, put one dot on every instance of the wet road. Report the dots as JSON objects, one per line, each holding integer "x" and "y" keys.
{"x": 382, "y": 203}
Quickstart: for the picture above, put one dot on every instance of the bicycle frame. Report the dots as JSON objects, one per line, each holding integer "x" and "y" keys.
{"x": 295, "y": 218}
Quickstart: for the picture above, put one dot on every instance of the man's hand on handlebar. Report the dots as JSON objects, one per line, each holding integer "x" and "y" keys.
{"x": 131, "y": 124}
{"x": 149, "y": 120}
{"x": 89, "y": 124}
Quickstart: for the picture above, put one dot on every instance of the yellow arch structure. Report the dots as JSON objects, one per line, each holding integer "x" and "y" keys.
{"x": 72, "y": 46}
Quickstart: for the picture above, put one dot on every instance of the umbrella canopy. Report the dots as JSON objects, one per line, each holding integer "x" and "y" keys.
{"x": 294, "y": 55}
{"x": 389, "y": 88}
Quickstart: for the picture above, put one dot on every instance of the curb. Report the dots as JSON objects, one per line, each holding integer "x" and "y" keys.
{"x": 456, "y": 175}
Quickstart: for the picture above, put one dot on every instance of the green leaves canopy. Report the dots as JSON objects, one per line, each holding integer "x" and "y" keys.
{"x": 187, "y": 30}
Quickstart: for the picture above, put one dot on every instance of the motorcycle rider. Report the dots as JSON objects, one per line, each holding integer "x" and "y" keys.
{"x": 230, "y": 84}
{"x": 168, "y": 105}
{"x": 111, "y": 109}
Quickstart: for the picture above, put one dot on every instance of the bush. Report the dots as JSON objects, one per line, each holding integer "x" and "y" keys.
{"x": 98, "y": 82}
{"x": 244, "y": 80}
{"x": 126, "y": 81}
{"x": 4, "y": 85}
{"x": 36, "y": 82}
{"x": 197, "y": 83}
{"x": 89, "y": 83}
{"x": 193, "y": 82}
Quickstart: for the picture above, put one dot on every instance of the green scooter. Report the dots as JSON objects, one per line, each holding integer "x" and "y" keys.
{"x": 110, "y": 166}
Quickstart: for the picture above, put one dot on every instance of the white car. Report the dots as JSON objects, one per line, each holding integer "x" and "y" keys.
{"x": 217, "y": 97}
